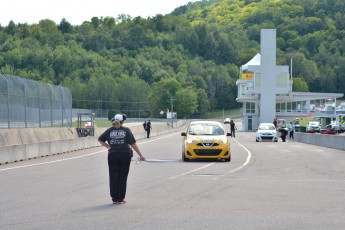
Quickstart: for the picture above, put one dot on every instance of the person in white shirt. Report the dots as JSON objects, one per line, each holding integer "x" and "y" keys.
{"x": 292, "y": 130}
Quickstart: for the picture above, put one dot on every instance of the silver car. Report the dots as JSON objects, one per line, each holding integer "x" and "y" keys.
{"x": 266, "y": 132}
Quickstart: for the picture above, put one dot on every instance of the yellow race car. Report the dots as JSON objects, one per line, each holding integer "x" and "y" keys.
{"x": 206, "y": 140}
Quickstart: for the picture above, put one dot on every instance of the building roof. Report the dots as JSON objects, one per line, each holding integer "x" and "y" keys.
{"x": 300, "y": 96}
{"x": 256, "y": 60}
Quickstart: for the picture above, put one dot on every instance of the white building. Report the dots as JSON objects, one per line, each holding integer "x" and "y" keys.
{"x": 265, "y": 90}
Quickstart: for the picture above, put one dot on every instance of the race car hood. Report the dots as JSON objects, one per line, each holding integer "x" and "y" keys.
{"x": 208, "y": 139}
{"x": 267, "y": 132}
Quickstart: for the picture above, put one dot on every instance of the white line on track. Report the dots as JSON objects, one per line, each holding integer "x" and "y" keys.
{"x": 50, "y": 162}
{"x": 205, "y": 166}
{"x": 73, "y": 158}
{"x": 148, "y": 141}
{"x": 243, "y": 165}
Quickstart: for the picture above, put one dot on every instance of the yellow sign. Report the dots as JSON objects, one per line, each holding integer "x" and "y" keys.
{"x": 342, "y": 119}
{"x": 247, "y": 76}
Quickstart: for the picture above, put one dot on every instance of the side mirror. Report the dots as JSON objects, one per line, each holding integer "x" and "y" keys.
{"x": 183, "y": 134}
{"x": 229, "y": 134}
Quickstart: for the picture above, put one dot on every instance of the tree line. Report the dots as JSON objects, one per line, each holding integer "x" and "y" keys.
{"x": 191, "y": 56}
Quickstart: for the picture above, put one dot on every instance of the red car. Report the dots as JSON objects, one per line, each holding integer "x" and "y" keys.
{"x": 311, "y": 131}
{"x": 328, "y": 131}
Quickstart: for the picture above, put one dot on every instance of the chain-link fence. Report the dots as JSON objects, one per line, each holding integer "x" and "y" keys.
{"x": 107, "y": 109}
{"x": 26, "y": 103}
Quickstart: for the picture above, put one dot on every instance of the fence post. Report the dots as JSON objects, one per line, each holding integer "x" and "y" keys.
{"x": 51, "y": 105}
{"x": 8, "y": 102}
{"x": 25, "y": 104}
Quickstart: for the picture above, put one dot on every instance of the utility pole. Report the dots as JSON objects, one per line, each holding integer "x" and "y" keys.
{"x": 172, "y": 112}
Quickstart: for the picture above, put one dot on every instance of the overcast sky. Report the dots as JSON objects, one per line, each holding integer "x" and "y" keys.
{"x": 78, "y": 11}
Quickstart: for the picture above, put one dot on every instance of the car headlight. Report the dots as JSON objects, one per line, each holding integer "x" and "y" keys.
{"x": 224, "y": 140}
{"x": 191, "y": 141}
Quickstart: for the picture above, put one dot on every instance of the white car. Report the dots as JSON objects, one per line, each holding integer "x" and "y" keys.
{"x": 266, "y": 132}
{"x": 313, "y": 126}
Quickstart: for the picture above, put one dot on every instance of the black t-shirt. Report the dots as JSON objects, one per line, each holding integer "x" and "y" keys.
{"x": 118, "y": 139}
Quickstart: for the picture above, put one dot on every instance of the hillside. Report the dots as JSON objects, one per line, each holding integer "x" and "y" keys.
{"x": 190, "y": 57}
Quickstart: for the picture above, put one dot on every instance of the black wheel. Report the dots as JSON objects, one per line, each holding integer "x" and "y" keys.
{"x": 184, "y": 158}
{"x": 228, "y": 159}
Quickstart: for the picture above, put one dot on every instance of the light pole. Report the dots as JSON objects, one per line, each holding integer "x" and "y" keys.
{"x": 172, "y": 112}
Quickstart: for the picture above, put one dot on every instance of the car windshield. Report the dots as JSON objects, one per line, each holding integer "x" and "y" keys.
{"x": 205, "y": 129}
{"x": 267, "y": 127}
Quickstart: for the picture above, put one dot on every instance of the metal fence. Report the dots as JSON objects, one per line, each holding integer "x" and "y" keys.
{"x": 26, "y": 103}
{"x": 107, "y": 109}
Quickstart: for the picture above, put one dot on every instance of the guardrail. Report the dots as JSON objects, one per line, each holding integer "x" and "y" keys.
{"x": 29, "y": 143}
{"x": 324, "y": 140}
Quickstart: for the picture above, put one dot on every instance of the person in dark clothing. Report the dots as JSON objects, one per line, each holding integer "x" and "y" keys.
{"x": 275, "y": 122}
{"x": 232, "y": 128}
{"x": 148, "y": 128}
{"x": 119, "y": 141}
{"x": 283, "y": 133}
{"x": 144, "y": 125}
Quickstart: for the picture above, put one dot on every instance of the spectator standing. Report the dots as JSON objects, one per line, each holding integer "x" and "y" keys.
{"x": 232, "y": 128}
{"x": 148, "y": 128}
{"x": 144, "y": 125}
{"x": 119, "y": 141}
{"x": 275, "y": 122}
{"x": 292, "y": 130}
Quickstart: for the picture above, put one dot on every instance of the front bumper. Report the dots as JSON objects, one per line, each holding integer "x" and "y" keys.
{"x": 194, "y": 151}
{"x": 268, "y": 138}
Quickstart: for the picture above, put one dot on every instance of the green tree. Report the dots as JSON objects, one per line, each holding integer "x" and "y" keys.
{"x": 328, "y": 81}
{"x": 133, "y": 94}
{"x": 203, "y": 102}
{"x": 11, "y": 28}
{"x": 299, "y": 85}
{"x": 65, "y": 26}
{"x": 163, "y": 94}
{"x": 49, "y": 33}
{"x": 186, "y": 102}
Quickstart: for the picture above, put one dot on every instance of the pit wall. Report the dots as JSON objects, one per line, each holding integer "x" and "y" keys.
{"x": 324, "y": 140}
{"x": 28, "y": 143}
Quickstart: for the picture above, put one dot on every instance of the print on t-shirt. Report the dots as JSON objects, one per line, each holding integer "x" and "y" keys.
{"x": 117, "y": 137}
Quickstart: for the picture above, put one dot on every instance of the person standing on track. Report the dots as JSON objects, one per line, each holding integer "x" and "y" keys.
{"x": 275, "y": 122}
{"x": 119, "y": 141}
{"x": 148, "y": 128}
{"x": 291, "y": 133}
{"x": 232, "y": 128}
{"x": 144, "y": 125}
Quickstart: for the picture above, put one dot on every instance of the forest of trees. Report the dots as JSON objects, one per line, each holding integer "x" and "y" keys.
{"x": 191, "y": 56}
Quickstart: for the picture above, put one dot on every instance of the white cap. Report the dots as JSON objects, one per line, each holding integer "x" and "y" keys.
{"x": 118, "y": 117}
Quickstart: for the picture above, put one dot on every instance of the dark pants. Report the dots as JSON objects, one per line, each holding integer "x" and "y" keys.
{"x": 284, "y": 133}
{"x": 119, "y": 164}
{"x": 148, "y": 132}
{"x": 233, "y": 132}
{"x": 291, "y": 134}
